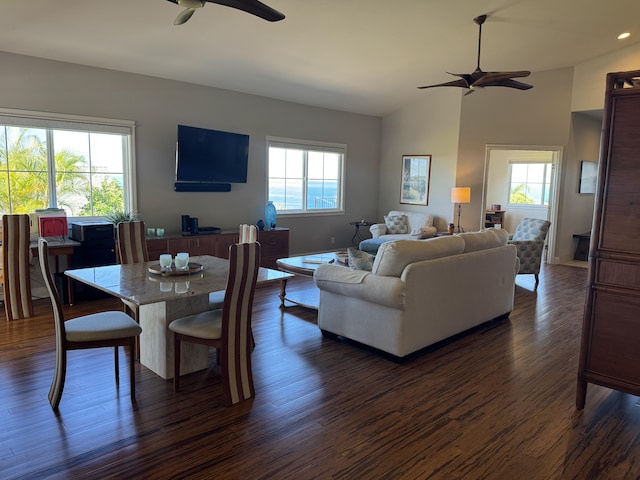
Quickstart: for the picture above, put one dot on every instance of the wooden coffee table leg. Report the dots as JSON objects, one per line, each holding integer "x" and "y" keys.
{"x": 283, "y": 291}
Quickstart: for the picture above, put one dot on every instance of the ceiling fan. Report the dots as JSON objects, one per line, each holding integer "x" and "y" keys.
{"x": 480, "y": 78}
{"x": 254, "y": 7}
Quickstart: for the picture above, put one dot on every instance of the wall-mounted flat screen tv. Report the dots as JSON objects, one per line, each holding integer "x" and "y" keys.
{"x": 207, "y": 156}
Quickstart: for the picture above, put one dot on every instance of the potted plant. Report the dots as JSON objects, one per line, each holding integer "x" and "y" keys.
{"x": 117, "y": 217}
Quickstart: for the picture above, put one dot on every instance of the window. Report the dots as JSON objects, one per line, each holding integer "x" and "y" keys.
{"x": 530, "y": 183}
{"x": 305, "y": 177}
{"x": 82, "y": 165}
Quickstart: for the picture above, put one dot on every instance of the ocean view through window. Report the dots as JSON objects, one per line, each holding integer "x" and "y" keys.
{"x": 305, "y": 177}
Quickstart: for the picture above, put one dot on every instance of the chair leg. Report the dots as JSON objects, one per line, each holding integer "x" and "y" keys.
{"x": 537, "y": 278}
{"x": 57, "y": 384}
{"x": 176, "y": 362}
{"x": 132, "y": 369}
{"x": 116, "y": 362}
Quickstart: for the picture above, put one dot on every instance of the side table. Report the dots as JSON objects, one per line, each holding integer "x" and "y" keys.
{"x": 357, "y": 237}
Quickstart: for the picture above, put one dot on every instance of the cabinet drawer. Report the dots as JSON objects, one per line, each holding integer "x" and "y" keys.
{"x": 618, "y": 273}
{"x": 156, "y": 247}
{"x": 615, "y": 338}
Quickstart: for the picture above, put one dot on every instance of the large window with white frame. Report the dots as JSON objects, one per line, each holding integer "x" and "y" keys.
{"x": 530, "y": 183}
{"x": 305, "y": 177}
{"x": 83, "y": 165}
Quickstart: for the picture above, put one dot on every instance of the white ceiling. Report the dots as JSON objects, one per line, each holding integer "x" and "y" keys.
{"x": 364, "y": 56}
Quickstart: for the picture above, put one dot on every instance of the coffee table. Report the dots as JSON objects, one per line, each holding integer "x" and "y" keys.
{"x": 305, "y": 266}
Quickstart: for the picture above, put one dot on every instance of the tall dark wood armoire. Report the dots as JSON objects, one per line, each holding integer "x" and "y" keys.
{"x": 610, "y": 347}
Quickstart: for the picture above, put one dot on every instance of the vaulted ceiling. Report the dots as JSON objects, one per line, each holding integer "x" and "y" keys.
{"x": 364, "y": 56}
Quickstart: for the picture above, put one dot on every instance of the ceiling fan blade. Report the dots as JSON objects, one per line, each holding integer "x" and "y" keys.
{"x": 493, "y": 77}
{"x": 184, "y": 16}
{"x": 454, "y": 83}
{"x": 253, "y": 7}
{"x": 509, "y": 83}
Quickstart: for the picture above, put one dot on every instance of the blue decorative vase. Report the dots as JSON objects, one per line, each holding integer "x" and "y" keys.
{"x": 270, "y": 216}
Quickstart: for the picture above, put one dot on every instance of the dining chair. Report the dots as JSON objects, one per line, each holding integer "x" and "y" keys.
{"x": 132, "y": 242}
{"x": 227, "y": 329}
{"x": 132, "y": 248}
{"x": 104, "y": 329}
{"x": 16, "y": 276}
{"x": 248, "y": 233}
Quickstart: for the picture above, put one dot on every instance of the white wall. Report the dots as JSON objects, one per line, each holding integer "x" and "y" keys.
{"x": 577, "y": 209}
{"x": 427, "y": 127}
{"x": 503, "y": 116}
{"x": 589, "y": 78}
{"x": 158, "y": 105}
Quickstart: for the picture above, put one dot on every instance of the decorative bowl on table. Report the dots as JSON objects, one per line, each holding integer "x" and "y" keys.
{"x": 192, "y": 267}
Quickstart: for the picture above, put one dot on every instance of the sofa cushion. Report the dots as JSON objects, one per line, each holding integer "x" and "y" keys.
{"x": 371, "y": 245}
{"x": 393, "y": 257}
{"x": 489, "y": 238}
{"x": 396, "y": 224}
{"x": 359, "y": 260}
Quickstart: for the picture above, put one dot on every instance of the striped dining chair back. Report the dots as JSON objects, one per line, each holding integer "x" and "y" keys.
{"x": 228, "y": 329}
{"x": 16, "y": 276}
{"x": 132, "y": 243}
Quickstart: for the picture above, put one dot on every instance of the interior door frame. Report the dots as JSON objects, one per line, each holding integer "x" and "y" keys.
{"x": 557, "y": 154}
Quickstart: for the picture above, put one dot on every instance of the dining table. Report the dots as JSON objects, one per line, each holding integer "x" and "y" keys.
{"x": 163, "y": 296}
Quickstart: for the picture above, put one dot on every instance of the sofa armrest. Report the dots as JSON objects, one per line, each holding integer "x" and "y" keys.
{"x": 378, "y": 289}
{"x": 378, "y": 229}
{"x": 423, "y": 232}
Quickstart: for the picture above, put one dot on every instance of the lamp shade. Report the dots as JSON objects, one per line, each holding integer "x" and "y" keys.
{"x": 461, "y": 195}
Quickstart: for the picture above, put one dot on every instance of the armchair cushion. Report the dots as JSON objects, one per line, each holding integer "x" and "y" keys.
{"x": 531, "y": 229}
{"x": 396, "y": 224}
{"x": 529, "y": 239}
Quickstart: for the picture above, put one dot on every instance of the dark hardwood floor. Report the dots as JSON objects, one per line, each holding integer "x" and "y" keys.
{"x": 497, "y": 403}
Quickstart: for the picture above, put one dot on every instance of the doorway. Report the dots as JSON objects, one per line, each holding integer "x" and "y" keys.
{"x": 523, "y": 180}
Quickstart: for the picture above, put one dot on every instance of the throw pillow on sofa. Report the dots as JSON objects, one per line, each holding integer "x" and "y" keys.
{"x": 396, "y": 224}
{"x": 359, "y": 260}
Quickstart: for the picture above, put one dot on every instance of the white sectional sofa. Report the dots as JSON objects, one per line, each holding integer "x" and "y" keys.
{"x": 419, "y": 292}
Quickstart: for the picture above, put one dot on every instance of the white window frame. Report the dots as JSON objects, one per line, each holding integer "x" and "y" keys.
{"x": 305, "y": 146}
{"x": 548, "y": 167}
{"x": 47, "y": 120}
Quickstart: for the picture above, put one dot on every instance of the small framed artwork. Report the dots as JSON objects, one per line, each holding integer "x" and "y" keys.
{"x": 416, "y": 170}
{"x": 588, "y": 177}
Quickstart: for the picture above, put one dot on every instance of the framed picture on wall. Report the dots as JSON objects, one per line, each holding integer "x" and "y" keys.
{"x": 416, "y": 170}
{"x": 588, "y": 177}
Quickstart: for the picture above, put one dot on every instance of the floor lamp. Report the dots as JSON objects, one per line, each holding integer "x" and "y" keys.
{"x": 460, "y": 195}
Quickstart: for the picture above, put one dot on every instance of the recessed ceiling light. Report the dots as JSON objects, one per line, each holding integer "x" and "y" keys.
{"x": 623, "y": 35}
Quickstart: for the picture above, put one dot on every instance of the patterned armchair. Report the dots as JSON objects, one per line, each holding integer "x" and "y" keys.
{"x": 529, "y": 238}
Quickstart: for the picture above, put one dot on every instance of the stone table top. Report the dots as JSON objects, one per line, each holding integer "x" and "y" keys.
{"x": 136, "y": 284}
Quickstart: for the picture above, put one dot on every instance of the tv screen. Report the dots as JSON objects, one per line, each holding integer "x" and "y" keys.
{"x": 211, "y": 156}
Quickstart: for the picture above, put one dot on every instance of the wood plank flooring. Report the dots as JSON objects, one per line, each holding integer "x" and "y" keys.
{"x": 497, "y": 403}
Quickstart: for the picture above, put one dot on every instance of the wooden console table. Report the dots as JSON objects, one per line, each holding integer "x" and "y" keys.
{"x": 274, "y": 244}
